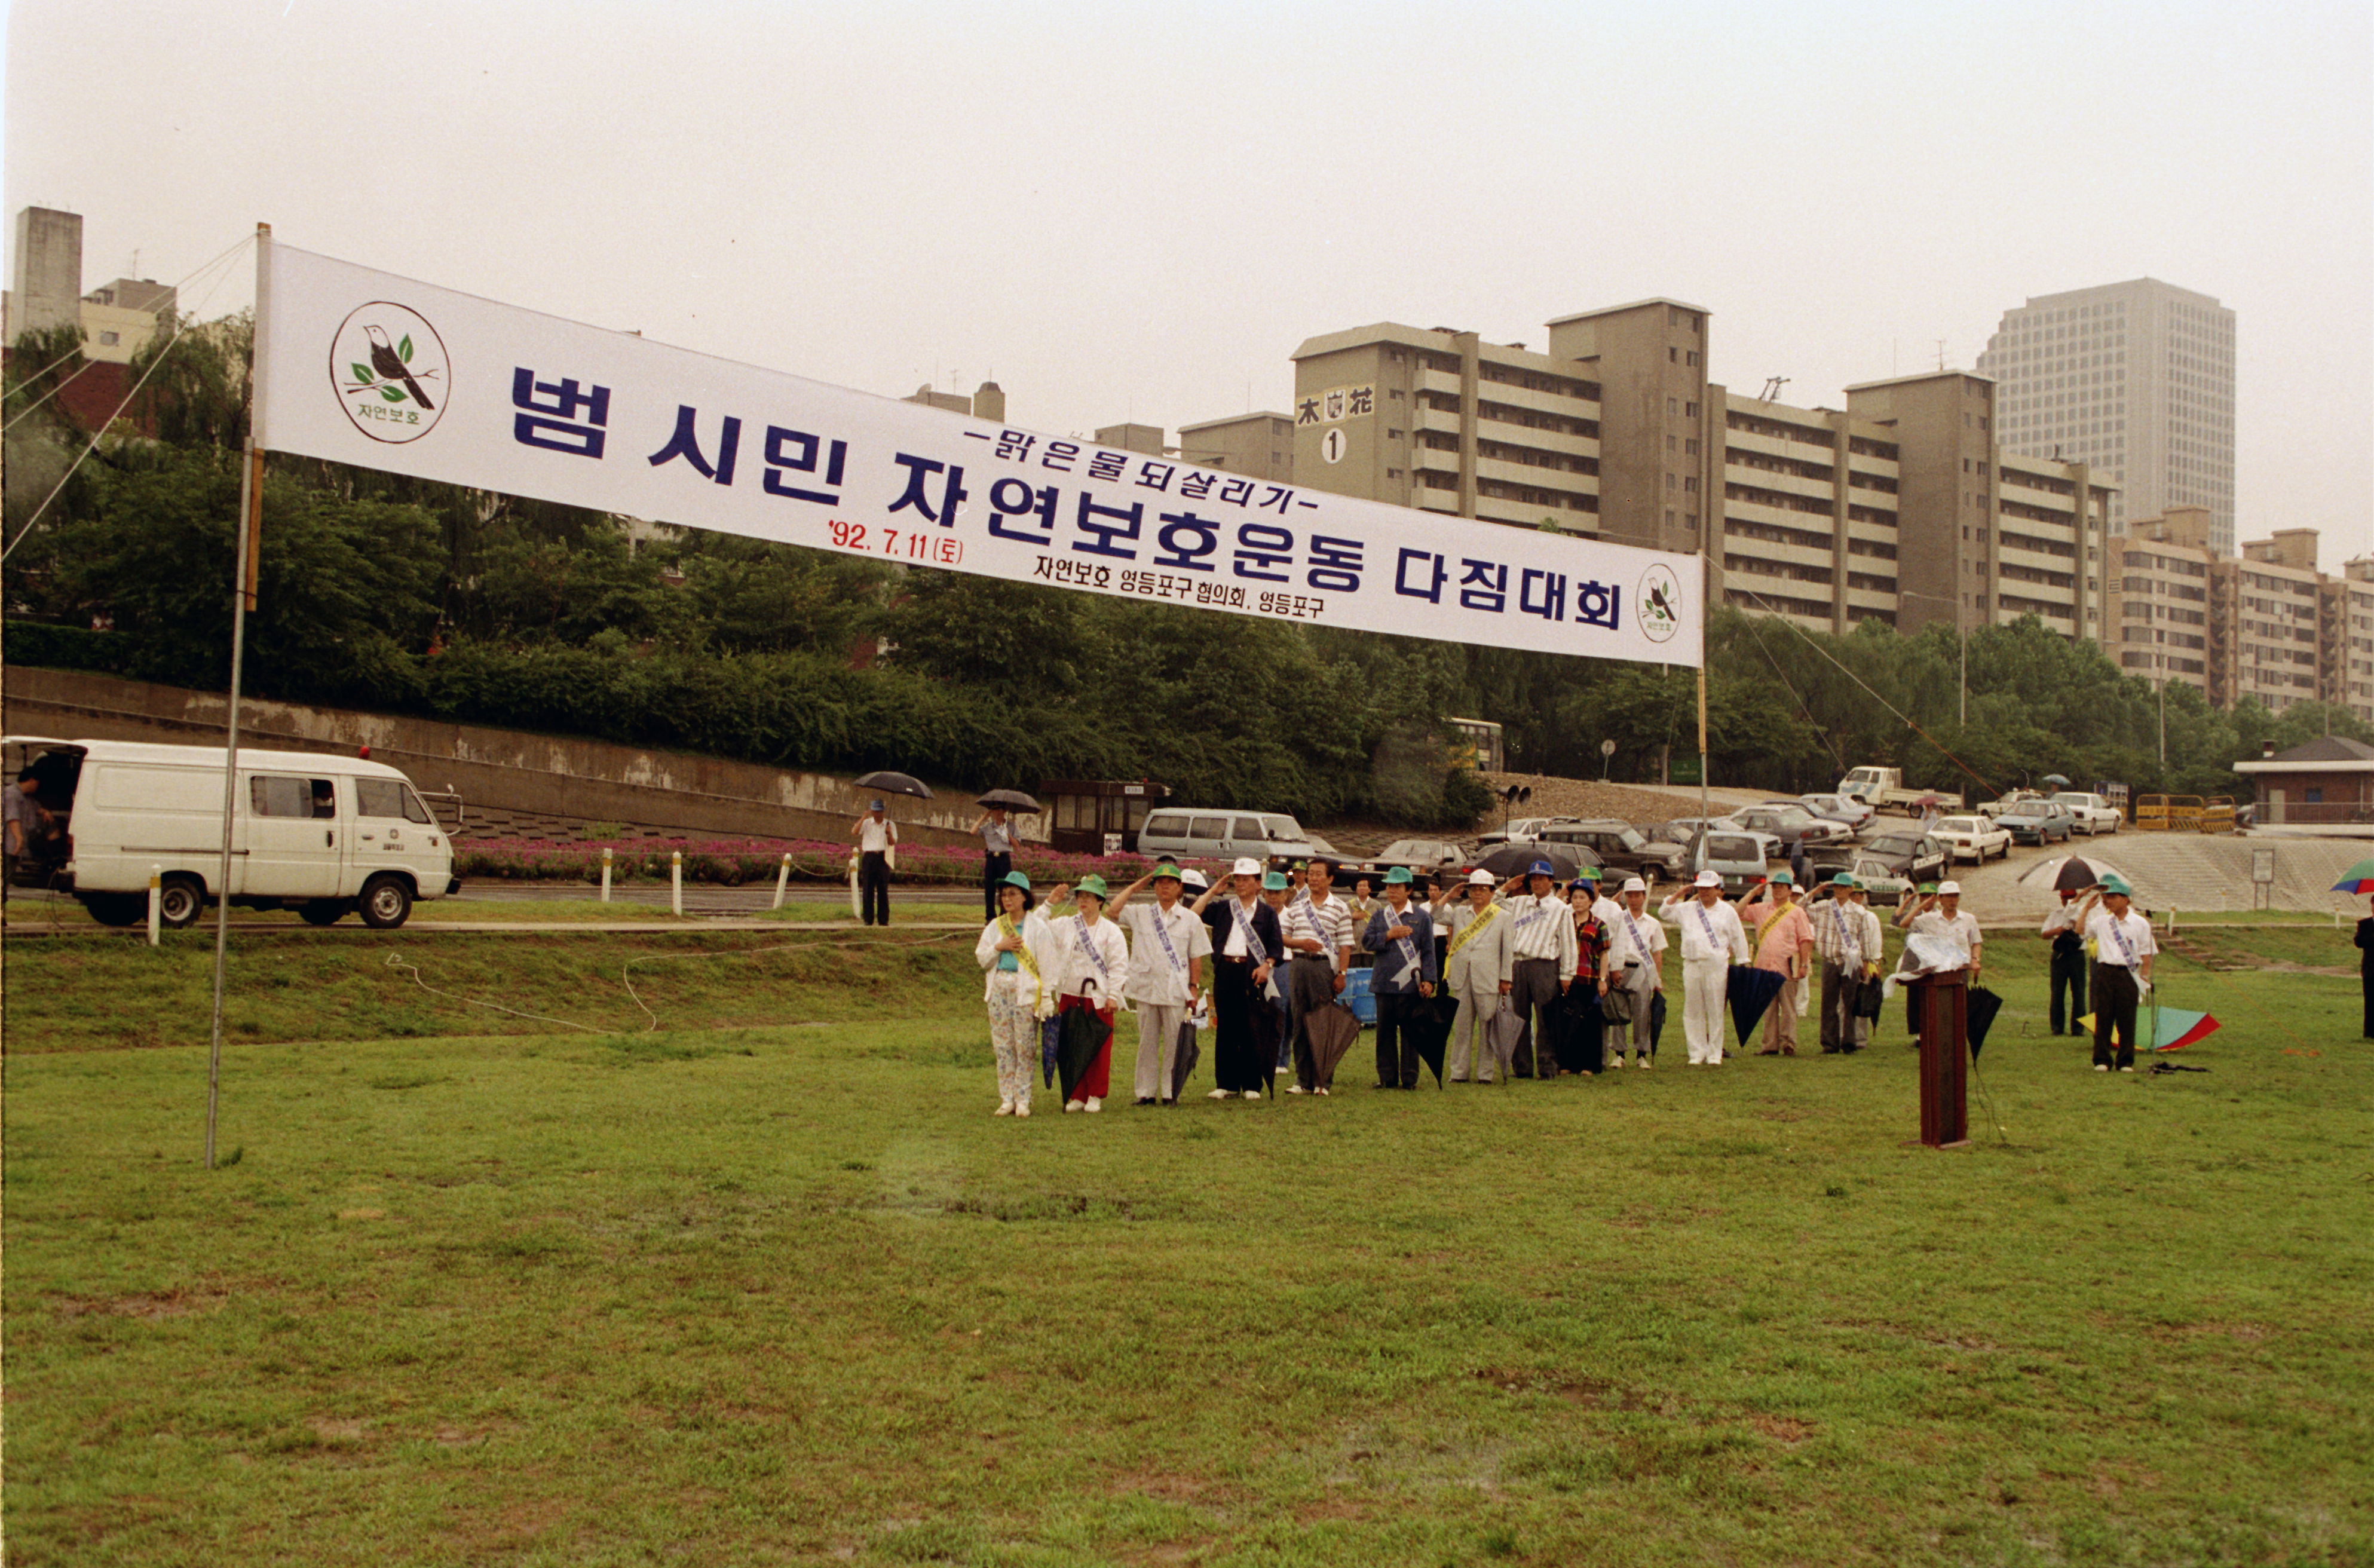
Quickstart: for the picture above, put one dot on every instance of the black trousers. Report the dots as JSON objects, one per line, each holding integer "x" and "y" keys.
{"x": 873, "y": 887}
{"x": 993, "y": 869}
{"x": 1241, "y": 1049}
{"x": 2068, "y": 975}
{"x": 1533, "y": 992}
{"x": 1397, "y": 1027}
{"x": 1581, "y": 1039}
{"x": 2365, "y": 989}
{"x": 2114, "y": 1011}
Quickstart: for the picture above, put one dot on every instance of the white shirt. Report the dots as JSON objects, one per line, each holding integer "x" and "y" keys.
{"x": 1329, "y": 920}
{"x": 1709, "y": 934}
{"x": 1961, "y": 928}
{"x": 1153, "y": 979}
{"x": 2107, "y": 950}
{"x": 1624, "y": 947}
{"x": 1071, "y": 972}
{"x": 2061, "y": 919}
{"x": 1542, "y": 928}
{"x": 874, "y": 837}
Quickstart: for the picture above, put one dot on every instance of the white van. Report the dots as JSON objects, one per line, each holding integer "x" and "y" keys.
{"x": 321, "y": 835}
{"x": 1212, "y": 833}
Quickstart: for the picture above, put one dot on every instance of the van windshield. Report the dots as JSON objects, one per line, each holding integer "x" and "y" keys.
{"x": 1283, "y": 828}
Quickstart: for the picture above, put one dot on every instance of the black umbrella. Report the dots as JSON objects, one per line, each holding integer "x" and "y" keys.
{"x": 1012, "y": 799}
{"x": 1512, "y": 858}
{"x": 1656, "y": 1019}
{"x": 896, "y": 784}
{"x": 1429, "y": 1026}
{"x": 1331, "y": 1031}
{"x": 1979, "y": 1016}
{"x": 2076, "y": 875}
{"x": 1183, "y": 1064}
{"x": 1081, "y": 1036}
{"x": 1750, "y": 991}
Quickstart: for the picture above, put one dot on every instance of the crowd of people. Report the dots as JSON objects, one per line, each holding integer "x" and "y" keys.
{"x": 1525, "y": 977}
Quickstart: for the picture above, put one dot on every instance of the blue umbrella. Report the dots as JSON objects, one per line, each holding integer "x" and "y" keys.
{"x": 1751, "y": 991}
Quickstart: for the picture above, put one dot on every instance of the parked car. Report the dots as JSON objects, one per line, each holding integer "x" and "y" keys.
{"x": 1883, "y": 789}
{"x": 1975, "y": 839}
{"x": 1222, "y": 833}
{"x": 1903, "y": 856}
{"x": 2094, "y": 813}
{"x": 1521, "y": 830}
{"x": 2039, "y": 822}
{"x": 1738, "y": 856}
{"x": 1853, "y": 814}
{"x": 325, "y": 836}
{"x": 2011, "y": 800}
{"x": 1791, "y": 823}
{"x": 1419, "y": 854}
{"x": 1682, "y": 830}
{"x": 1622, "y": 849}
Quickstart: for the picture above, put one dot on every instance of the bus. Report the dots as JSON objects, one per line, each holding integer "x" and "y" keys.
{"x": 1483, "y": 737}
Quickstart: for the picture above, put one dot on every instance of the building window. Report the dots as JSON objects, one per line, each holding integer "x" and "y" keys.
{"x": 110, "y": 339}
{"x": 1690, "y": 410}
{"x": 1672, "y": 355}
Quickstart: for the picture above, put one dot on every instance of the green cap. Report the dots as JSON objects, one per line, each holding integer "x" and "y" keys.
{"x": 1399, "y": 876}
{"x": 1783, "y": 879}
{"x": 2114, "y": 883}
{"x": 1017, "y": 879}
{"x": 1091, "y": 883}
{"x": 1167, "y": 869}
{"x": 1844, "y": 879}
{"x": 1275, "y": 882}
{"x": 1926, "y": 887}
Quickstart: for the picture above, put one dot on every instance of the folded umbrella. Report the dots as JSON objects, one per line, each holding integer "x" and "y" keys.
{"x": 1656, "y": 1019}
{"x": 1429, "y": 1027}
{"x": 1979, "y": 1016}
{"x": 1332, "y": 1030}
{"x": 1182, "y": 1062}
{"x": 896, "y": 784}
{"x": 1084, "y": 1035}
{"x": 1750, "y": 991}
{"x": 1012, "y": 799}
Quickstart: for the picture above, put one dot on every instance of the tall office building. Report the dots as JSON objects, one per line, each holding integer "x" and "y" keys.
{"x": 2134, "y": 380}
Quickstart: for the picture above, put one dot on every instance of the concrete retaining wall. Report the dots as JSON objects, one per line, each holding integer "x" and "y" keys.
{"x": 492, "y": 769}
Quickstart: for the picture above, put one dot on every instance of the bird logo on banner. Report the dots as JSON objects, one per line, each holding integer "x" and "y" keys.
{"x": 384, "y": 355}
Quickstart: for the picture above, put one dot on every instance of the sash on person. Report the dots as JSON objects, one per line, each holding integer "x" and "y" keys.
{"x": 2120, "y": 936}
{"x": 1705, "y": 924}
{"x": 1491, "y": 912}
{"x": 1245, "y": 924}
{"x": 1639, "y": 943}
{"x": 1168, "y": 951}
{"x": 1846, "y": 944}
{"x": 1026, "y": 959}
{"x": 1080, "y": 931}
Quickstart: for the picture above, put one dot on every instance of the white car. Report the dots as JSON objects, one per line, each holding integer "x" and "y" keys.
{"x": 1975, "y": 839}
{"x": 1841, "y": 808}
{"x": 1521, "y": 829}
{"x": 2094, "y": 813}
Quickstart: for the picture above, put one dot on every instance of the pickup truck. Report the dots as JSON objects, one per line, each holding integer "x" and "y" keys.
{"x": 1883, "y": 789}
{"x": 2094, "y": 813}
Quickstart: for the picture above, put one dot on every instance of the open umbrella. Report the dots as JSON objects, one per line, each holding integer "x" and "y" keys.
{"x": 1512, "y": 858}
{"x": 2070, "y": 871}
{"x": 1012, "y": 799}
{"x": 2057, "y": 779}
{"x": 1332, "y": 1029}
{"x": 2358, "y": 879}
{"x": 1750, "y": 991}
{"x": 896, "y": 784}
{"x": 2172, "y": 1028}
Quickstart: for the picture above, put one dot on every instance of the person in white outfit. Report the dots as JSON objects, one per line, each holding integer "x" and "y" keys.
{"x": 1635, "y": 965}
{"x": 1479, "y": 953}
{"x": 1712, "y": 940}
{"x": 1167, "y": 946}
{"x": 1016, "y": 993}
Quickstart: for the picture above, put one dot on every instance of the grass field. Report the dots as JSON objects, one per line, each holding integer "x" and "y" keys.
{"x": 769, "y": 1285}
{"x": 42, "y": 915}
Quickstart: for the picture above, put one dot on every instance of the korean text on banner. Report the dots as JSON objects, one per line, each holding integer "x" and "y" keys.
{"x": 382, "y": 372}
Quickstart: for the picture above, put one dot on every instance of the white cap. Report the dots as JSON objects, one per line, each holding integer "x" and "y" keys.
{"x": 1634, "y": 885}
{"x": 1248, "y": 867}
{"x": 1708, "y": 880}
{"x": 1194, "y": 878}
{"x": 1945, "y": 888}
{"x": 1482, "y": 879}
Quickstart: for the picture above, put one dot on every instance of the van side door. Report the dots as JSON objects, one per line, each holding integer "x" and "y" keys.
{"x": 295, "y": 823}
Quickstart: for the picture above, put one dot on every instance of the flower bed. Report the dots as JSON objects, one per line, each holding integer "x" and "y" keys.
{"x": 735, "y": 861}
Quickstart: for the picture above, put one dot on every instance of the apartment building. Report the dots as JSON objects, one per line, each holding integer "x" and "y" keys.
{"x": 2267, "y": 624}
{"x": 2135, "y": 379}
{"x": 1900, "y": 508}
{"x": 118, "y": 319}
{"x": 2159, "y": 600}
{"x": 1258, "y": 445}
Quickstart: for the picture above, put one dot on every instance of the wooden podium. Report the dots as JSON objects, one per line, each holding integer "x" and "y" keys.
{"x": 1942, "y": 1001}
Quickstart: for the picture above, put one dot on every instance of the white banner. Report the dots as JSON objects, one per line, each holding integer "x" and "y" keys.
{"x": 366, "y": 368}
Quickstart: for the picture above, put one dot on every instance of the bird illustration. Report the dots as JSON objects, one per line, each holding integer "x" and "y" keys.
{"x": 388, "y": 363}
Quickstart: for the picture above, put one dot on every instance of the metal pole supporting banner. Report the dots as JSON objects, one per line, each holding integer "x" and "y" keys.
{"x": 250, "y": 498}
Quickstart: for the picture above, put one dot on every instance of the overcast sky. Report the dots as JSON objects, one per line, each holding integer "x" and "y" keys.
{"x": 1138, "y": 213}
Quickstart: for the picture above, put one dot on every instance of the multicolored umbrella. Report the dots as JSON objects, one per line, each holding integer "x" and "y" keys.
{"x": 2358, "y": 879}
{"x": 2172, "y": 1028}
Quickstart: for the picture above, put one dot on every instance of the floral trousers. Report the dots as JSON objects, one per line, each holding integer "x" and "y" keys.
{"x": 1014, "y": 1033}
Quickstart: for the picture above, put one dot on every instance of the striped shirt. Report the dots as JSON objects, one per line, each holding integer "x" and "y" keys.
{"x": 1329, "y": 921}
